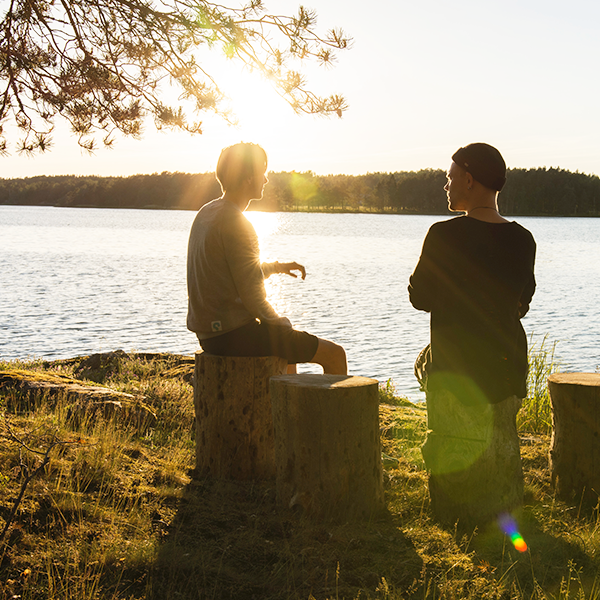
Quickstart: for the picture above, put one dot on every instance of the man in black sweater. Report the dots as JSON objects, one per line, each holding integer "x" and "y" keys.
{"x": 475, "y": 276}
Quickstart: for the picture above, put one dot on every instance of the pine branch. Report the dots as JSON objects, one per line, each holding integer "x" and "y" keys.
{"x": 99, "y": 64}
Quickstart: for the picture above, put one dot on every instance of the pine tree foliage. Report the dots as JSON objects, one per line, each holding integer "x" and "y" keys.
{"x": 104, "y": 65}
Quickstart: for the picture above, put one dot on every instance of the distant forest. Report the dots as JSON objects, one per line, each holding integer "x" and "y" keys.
{"x": 539, "y": 192}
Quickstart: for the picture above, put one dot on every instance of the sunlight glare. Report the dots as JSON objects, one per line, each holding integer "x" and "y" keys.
{"x": 276, "y": 296}
{"x": 255, "y": 104}
{"x": 267, "y": 224}
{"x": 264, "y": 223}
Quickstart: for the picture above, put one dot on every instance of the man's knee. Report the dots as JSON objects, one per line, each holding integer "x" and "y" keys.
{"x": 330, "y": 349}
{"x": 332, "y": 357}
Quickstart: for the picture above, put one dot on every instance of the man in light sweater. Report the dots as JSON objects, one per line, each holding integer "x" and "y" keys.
{"x": 227, "y": 305}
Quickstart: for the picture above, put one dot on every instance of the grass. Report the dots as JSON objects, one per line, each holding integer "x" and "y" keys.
{"x": 116, "y": 514}
{"x": 536, "y": 413}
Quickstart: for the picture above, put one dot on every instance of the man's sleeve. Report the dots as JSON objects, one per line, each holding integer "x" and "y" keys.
{"x": 422, "y": 283}
{"x": 240, "y": 244}
{"x": 529, "y": 288}
{"x": 269, "y": 269}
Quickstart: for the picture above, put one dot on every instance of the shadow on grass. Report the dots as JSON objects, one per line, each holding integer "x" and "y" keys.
{"x": 549, "y": 563}
{"x": 229, "y": 540}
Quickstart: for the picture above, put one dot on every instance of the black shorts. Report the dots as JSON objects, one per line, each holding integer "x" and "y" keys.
{"x": 260, "y": 339}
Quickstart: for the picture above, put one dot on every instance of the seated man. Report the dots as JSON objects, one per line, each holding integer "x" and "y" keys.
{"x": 476, "y": 278}
{"x": 227, "y": 305}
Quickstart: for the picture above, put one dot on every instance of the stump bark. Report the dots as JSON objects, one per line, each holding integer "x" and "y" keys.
{"x": 234, "y": 421}
{"x": 473, "y": 459}
{"x": 327, "y": 445}
{"x": 575, "y": 444}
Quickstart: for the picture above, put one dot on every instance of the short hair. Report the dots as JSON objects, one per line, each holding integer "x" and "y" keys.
{"x": 238, "y": 163}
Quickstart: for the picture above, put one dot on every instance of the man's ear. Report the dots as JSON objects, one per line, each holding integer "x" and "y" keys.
{"x": 247, "y": 183}
{"x": 469, "y": 180}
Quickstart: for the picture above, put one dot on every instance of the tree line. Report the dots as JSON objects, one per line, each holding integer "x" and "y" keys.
{"x": 539, "y": 192}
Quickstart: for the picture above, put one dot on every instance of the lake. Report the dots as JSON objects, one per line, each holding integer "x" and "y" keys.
{"x": 80, "y": 281}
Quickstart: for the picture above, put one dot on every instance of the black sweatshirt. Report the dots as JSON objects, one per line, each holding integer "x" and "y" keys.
{"x": 476, "y": 279}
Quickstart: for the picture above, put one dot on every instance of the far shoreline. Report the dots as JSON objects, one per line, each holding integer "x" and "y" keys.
{"x": 537, "y": 192}
{"x": 332, "y": 211}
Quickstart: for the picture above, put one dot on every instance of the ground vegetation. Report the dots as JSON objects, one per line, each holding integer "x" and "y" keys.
{"x": 116, "y": 512}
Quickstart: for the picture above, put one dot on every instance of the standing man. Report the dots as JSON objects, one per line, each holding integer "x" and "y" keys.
{"x": 475, "y": 276}
{"x": 227, "y": 305}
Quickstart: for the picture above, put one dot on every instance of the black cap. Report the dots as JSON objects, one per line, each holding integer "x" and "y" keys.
{"x": 485, "y": 164}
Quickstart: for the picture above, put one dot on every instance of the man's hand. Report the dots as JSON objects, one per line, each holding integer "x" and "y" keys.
{"x": 287, "y": 269}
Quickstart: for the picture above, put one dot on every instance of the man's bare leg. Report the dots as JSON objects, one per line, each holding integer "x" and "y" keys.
{"x": 331, "y": 357}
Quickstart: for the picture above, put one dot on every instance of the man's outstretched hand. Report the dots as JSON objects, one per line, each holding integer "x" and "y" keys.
{"x": 287, "y": 269}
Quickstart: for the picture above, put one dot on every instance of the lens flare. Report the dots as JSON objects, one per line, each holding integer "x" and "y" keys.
{"x": 509, "y": 527}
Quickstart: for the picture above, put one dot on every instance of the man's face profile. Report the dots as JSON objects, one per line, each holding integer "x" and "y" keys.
{"x": 456, "y": 187}
{"x": 257, "y": 184}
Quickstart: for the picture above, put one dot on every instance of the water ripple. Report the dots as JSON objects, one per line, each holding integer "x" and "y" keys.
{"x": 77, "y": 281}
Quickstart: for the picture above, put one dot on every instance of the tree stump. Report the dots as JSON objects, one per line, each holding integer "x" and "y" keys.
{"x": 327, "y": 447}
{"x": 473, "y": 459}
{"x": 575, "y": 445}
{"x": 234, "y": 422}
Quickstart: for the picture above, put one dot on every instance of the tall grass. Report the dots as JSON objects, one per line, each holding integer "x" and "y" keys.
{"x": 536, "y": 413}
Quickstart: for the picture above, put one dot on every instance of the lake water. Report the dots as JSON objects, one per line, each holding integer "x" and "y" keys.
{"x": 79, "y": 281}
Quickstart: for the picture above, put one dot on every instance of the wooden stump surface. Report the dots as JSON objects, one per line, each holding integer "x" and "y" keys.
{"x": 327, "y": 445}
{"x": 575, "y": 444}
{"x": 234, "y": 421}
{"x": 473, "y": 459}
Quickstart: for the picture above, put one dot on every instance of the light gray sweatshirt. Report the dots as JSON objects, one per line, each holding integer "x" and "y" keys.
{"x": 225, "y": 277}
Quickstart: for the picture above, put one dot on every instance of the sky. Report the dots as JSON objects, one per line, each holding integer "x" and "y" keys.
{"x": 422, "y": 78}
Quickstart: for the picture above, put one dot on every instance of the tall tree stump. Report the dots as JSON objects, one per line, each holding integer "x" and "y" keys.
{"x": 327, "y": 447}
{"x": 473, "y": 459}
{"x": 234, "y": 422}
{"x": 575, "y": 445}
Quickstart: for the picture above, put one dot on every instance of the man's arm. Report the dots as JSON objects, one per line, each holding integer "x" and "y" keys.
{"x": 422, "y": 283}
{"x": 529, "y": 288}
{"x": 240, "y": 244}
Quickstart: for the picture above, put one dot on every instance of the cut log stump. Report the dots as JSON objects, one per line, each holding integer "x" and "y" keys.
{"x": 473, "y": 459}
{"x": 575, "y": 445}
{"x": 234, "y": 422}
{"x": 327, "y": 445}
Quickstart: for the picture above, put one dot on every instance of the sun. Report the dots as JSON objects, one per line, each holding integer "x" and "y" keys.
{"x": 259, "y": 110}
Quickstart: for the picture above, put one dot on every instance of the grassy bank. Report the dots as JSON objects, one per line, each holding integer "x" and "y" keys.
{"x": 115, "y": 513}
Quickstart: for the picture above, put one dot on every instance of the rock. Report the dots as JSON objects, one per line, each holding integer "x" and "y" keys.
{"x": 97, "y": 367}
{"x": 30, "y": 388}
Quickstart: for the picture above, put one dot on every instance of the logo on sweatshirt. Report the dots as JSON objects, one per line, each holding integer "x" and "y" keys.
{"x": 216, "y": 326}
